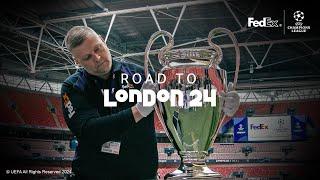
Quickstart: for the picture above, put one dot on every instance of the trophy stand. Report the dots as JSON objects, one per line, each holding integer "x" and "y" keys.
{"x": 193, "y": 166}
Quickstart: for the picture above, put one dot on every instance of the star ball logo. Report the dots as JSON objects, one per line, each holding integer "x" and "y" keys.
{"x": 298, "y": 16}
{"x": 241, "y": 129}
{"x": 298, "y": 27}
{"x": 281, "y": 123}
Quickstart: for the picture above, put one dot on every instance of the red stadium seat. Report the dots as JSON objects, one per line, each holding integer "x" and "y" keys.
{"x": 32, "y": 108}
{"x": 8, "y": 110}
{"x": 56, "y": 102}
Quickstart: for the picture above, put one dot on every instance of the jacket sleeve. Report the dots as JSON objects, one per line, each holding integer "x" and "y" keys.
{"x": 84, "y": 121}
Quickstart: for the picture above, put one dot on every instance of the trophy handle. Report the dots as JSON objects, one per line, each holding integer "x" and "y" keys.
{"x": 217, "y": 60}
{"x": 158, "y": 106}
{"x": 162, "y": 51}
{"x": 231, "y": 35}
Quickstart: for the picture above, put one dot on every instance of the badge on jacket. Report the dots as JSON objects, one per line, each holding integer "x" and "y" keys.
{"x": 127, "y": 86}
{"x": 111, "y": 147}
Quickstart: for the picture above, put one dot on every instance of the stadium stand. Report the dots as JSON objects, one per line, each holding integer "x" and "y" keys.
{"x": 276, "y": 171}
{"x": 8, "y": 109}
{"x": 56, "y": 102}
{"x": 45, "y": 110}
{"x": 32, "y": 108}
{"x": 265, "y": 159}
{"x": 258, "y": 170}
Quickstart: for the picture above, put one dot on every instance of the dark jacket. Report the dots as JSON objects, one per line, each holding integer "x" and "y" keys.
{"x": 93, "y": 124}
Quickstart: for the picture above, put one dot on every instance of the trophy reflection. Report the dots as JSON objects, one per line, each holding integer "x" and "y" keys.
{"x": 192, "y": 128}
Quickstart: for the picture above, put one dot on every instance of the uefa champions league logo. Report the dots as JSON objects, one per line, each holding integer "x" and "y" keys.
{"x": 281, "y": 123}
{"x": 298, "y": 16}
{"x": 241, "y": 129}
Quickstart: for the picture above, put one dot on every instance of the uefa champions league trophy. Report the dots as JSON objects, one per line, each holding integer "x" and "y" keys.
{"x": 192, "y": 129}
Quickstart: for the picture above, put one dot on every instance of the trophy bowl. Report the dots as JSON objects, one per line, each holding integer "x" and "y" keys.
{"x": 193, "y": 124}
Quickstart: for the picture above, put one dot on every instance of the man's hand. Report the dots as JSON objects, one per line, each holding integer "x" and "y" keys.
{"x": 146, "y": 110}
{"x": 230, "y": 102}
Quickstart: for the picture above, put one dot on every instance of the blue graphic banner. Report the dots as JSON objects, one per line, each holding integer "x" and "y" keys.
{"x": 298, "y": 127}
{"x": 240, "y": 129}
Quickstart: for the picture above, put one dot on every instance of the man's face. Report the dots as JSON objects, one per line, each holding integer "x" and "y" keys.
{"x": 94, "y": 55}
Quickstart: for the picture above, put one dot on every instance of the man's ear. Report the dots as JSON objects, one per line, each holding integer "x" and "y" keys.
{"x": 76, "y": 61}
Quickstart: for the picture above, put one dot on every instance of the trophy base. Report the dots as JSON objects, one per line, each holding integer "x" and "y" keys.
{"x": 203, "y": 173}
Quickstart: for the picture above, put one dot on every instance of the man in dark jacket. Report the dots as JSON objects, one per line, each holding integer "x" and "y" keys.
{"x": 114, "y": 142}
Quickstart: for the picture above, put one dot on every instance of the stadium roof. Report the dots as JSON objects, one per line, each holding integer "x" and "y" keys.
{"x": 32, "y": 34}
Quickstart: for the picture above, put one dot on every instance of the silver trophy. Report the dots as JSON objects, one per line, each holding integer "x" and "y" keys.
{"x": 192, "y": 129}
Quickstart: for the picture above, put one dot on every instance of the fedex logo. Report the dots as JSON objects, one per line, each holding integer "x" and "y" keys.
{"x": 265, "y": 22}
{"x": 258, "y": 126}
